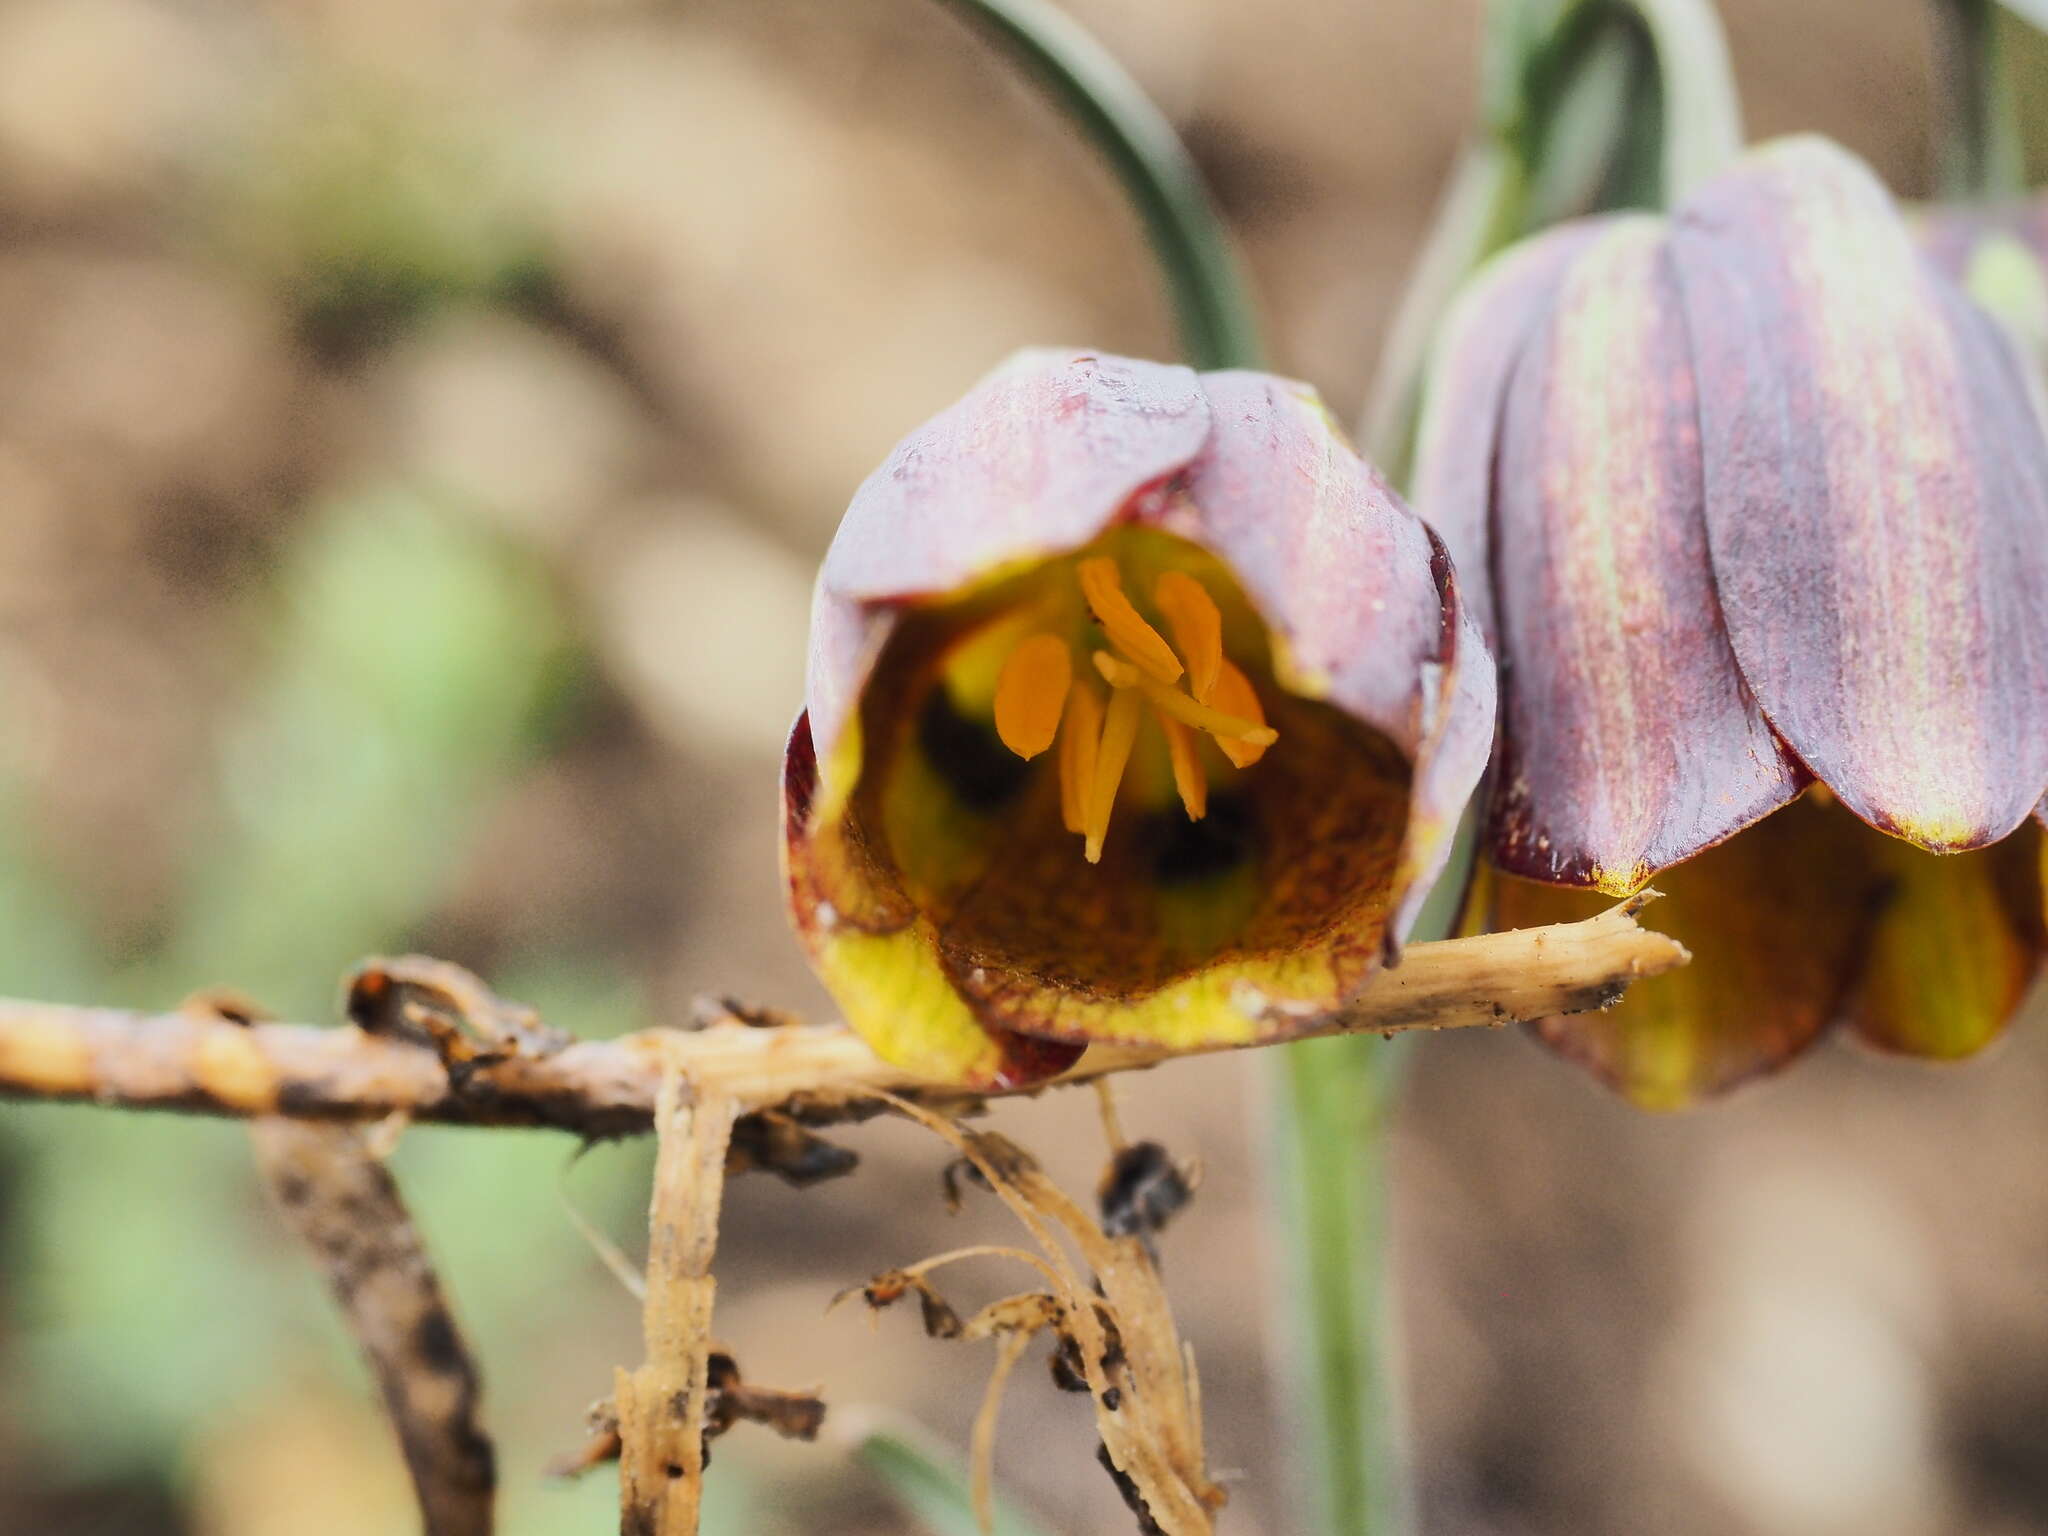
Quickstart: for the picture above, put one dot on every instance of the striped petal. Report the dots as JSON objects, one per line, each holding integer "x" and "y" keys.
{"x": 1630, "y": 742}
{"x": 1457, "y": 441}
{"x": 1877, "y": 499}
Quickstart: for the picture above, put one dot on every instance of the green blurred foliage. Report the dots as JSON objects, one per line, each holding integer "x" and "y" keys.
{"x": 368, "y": 206}
{"x": 410, "y": 667}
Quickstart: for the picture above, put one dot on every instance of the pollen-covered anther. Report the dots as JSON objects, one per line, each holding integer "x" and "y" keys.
{"x": 1235, "y": 695}
{"x": 1197, "y": 625}
{"x": 1125, "y": 626}
{"x": 1031, "y": 694}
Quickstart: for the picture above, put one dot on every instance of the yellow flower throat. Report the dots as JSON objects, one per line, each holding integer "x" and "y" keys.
{"x": 1039, "y": 698}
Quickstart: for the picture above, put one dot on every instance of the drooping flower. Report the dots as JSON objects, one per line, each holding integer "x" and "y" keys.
{"x": 1766, "y": 511}
{"x": 1139, "y": 708}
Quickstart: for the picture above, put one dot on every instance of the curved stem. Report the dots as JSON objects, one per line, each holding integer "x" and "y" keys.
{"x": 1480, "y": 211}
{"x": 1978, "y": 152}
{"x": 1211, "y": 302}
{"x": 1551, "y": 145}
{"x": 1701, "y": 111}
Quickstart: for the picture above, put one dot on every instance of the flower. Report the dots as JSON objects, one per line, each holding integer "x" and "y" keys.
{"x": 1139, "y": 708}
{"x": 1767, "y": 515}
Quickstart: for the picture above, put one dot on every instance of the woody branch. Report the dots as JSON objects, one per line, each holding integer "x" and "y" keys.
{"x": 464, "y": 1065}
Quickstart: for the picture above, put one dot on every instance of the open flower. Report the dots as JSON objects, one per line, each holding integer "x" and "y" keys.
{"x": 1139, "y": 708}
{"x": 1767, "y": 512}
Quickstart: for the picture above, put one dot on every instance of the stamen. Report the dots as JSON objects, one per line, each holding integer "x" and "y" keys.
{"x": 1119, "y": 731}
{"x": 1188, "y": 776}
{"x": 1115, "y": 671}
{"x": 1234, "y": 693}
{"x": 1080, "y": 735}
{"x": 1030, "y": 694}
{"x": 1040, "y": 701}
{"x": 1125, "y": 626}
{"x": 1197, "y": 625}
{"x": 1203, "y": 717}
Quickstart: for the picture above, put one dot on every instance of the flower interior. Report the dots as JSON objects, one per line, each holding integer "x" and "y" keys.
{"x": 1087, "y": 777}
{"x": 1039, "y": 698}
{"x": 1807, "y": 918}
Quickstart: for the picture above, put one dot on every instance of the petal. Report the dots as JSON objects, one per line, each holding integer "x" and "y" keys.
{"x": 1877, "y": 498}
{"x": 1039, "y": 458}
{"x": 1999, "y": 256}
{"x": 1777, "y": 935}
{"x": 1957, "y": 947}
{"x": 1338, "y": 567}
{"x": 1452, "y": 761}
{"x": 888, "y": 980}
{"x": 1629, "y": 742}
{"x": 1475, "y": 352}
{"x": 1363, "y": 604}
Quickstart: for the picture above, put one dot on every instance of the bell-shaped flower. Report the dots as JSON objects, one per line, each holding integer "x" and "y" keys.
{"x": 1766, "y": 510}
{"x": 1139, "y": 708}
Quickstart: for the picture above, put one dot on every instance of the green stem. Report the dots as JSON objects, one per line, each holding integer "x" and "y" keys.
{"x": 1331, "y": 1101}
{"x": 1209, "y": 293}
{"x": 1978, "y": 150}
{"x": 1557, "y": 140}
{"x": 1480, "y": 211}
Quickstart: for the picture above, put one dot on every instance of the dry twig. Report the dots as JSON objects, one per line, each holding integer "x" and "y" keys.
{"x": 344, "y": 1206}
{"x": 662, "y": 1406}
{"x": 1112, "y": 1328}
{"x": 429, "y": 1042}
{"x": 815, "y": 1073}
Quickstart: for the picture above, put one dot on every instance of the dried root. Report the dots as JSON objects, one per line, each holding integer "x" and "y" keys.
{"x": 730, "y": 1400}
{"x": 1112, "y": 1330}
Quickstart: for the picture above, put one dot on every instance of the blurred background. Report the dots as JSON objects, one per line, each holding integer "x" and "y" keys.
{"x": 418, "y": 427}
